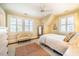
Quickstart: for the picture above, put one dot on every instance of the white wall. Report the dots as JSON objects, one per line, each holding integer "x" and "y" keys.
{"x": 2, "y": 18}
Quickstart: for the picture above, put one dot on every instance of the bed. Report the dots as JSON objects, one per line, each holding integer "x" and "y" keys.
{"x": 55, "y": 41}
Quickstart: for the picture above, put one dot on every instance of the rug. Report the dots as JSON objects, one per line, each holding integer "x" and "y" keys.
{"x": 32, "y": 49}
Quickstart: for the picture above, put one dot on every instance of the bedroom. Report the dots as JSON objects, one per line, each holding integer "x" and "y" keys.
{"x": 30, "y": 24}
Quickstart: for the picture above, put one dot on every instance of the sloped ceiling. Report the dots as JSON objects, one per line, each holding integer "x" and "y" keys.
{"x": 33, "y": 9}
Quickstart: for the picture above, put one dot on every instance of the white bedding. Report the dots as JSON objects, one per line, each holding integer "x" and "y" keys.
{"x": 45, "y": 37}
{"x": 55, "y": 42}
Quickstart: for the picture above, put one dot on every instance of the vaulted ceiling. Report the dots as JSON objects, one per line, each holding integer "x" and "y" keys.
{"x": 39, "y": 9}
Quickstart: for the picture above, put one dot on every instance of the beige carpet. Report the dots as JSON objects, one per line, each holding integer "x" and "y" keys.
{"x": 32, "y": 49}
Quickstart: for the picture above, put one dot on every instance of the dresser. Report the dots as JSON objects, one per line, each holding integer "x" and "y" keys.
{"x": 3, "y": 42}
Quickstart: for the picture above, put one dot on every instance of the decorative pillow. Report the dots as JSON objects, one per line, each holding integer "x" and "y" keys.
{"x": 69, "y": 36}
{"x": 66, "y": 39}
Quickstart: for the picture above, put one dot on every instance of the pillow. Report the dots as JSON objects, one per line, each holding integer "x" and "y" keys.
{"x": 69, "y": 36}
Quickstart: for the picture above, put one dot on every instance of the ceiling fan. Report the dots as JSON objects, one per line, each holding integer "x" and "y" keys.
{"x": 45, "y": 10}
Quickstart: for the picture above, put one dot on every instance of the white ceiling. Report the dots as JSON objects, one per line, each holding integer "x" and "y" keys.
{"x": 33, "y": 9}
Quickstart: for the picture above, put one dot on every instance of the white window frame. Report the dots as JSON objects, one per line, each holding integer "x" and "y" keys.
{"x": 10, "y": 29}
{"x": 66, "y": 24}
{"x": 18, "y": 24}
{"x": 30, "y": 25}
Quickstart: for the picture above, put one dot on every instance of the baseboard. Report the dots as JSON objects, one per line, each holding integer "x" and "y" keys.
{"x": 21, "y": 41}
{"x": 12, "y": 43}
{"x": 24, "y": 41}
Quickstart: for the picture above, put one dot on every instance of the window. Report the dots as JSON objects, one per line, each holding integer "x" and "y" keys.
{"x": 63, "y": 24}
{"x": 67, "y": 24}
{"x": 29, "y": 25}
{"x": 13, "y": 24}
{"x": 26, "y": 25}
{"x": 70, "y": 24}
{"x": 19, "y": 25}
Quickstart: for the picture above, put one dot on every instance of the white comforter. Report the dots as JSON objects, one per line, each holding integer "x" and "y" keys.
{"x": 55, "y": 42}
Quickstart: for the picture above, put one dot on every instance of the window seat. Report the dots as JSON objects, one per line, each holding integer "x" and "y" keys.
{"x": 21, "y": 36}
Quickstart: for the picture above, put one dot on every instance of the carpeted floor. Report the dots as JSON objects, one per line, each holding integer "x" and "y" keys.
{"x": 32, "y": 49}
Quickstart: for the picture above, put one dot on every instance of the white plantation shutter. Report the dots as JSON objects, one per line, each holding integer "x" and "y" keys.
{"x": 29, "y": 25}
{"x": 13, "y": 24}
{"x": 19, "y": 25}
{"x": 67, "y": 24}
{"x": 63, "y": 24}
{"x": 70, "y": 24}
